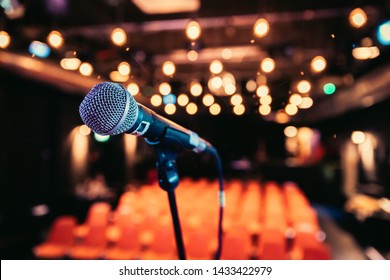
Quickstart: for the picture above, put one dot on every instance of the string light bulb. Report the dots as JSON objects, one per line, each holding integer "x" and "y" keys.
{"x": 196, "y": 89}
{"x": 169, "y": 68}
{"x": 118, "y": 36}
{"x": 318, "y": 64}
{"x": 264, "y": 110}
{"x": 267, "y": 65}
{"x": 182, "y": 99}
{"x": 261, "y": 27}
{"x": 193, "y": 30}
{"x": 156, "y": 100}
{"x": 215, "y": 109}
{"x": 208, "y": 99}
{"x": 133, "y": 88}
{"x": 216, "y": 67}
{"x": 191, "y": 108}
{"x": 5, "y": 39}
{"x": 55, "y": 39}
{"x": 165, "y": 88}
{"x": 303, "y": 86}
{"x": 357, "y": 18}
{"x": 86, "y": 69}
{"x": 262, "y": 91}
{"x": 239, "y": 109}
{"x": 124, "y": 68}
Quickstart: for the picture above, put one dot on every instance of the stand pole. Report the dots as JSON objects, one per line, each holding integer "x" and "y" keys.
{"x": 168, "y": 179}
{"x": 176, "y": 225}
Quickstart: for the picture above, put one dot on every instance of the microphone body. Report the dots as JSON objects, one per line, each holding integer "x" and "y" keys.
{"x": 109, "y": 109}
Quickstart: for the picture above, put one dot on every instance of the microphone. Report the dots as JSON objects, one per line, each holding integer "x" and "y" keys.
{"x": 109, "y": 109}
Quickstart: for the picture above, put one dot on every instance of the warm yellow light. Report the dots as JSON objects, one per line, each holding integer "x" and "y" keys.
{"x": 261, "y": 27}
{"x": 236, "y": 99}
{"x": 262, "y": 90}
{"x": 290, "y": 131}
{"x": 118, "y": 36}
{"x": 215, "y": 109}
{"x": 70, "y": 63}
{"x": 86, "y": 69}
{"x": 291, "y": 109}
{"x": 124, "y": 68}
{"x": 5, "y": 39}
{"x": 230, "y": 89}
{"x": 295, "y": 99}
{"x": 216, "y": 67}
{"x": 363, "y": 53}
{"x": 118, "y": 77}
{"x": 216, "y": 82}
{"x": 266, "y": 100}
{"x": 84, "y": 130}
{"x": 168, "y": 68}
{"x": 227, "y": 54}
{"x": 264, "y": 110}
{"x": 182, "y": 100}
{"x": 191, "y": 108}
{"x": 170, "y": 109}
{"x": 156, "y": 100}
{"x": 251, "y": 85}
{"x": 318, "y": 64}
{"x": 192, "y": 55}
{"x": 193, "y": 30}
{"x": 196, "y": 89}
{"x": 307, "y": 102}
{"x": 133, "y": 88}
{"x": 165, "y": 88}
{"x": 358, "y": 137}
{"x": 208, "y": 99}
{"x": 55, "y": 39}
{"x": 281, "y": 117}
{"x": 303, "y": 86}
{"x": 357, "y": 18}
{"x": 239, "y": 109}
{"x": 267, "y": 65}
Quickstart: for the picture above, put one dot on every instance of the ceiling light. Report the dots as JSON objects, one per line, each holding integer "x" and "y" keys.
{"x": 156, "y": 100}
{"x": 318, "y": 64}
{"x": 168, "y": 68}
{"x": 133, "y": 88}
{"x": 262, "y": 90}
{"x": 215, "y": 109}
{"x": 55, "y": 39}
{"x": 383, "y": 33}
{"x": 165, "y": 88}
{"x": 208, "y": 99}
{"x": 216, "y": 67}
{"x": 357, "y": 18}
{"x": 236, "y": 99}
{"x": 307, "y": 102}
{"x": 4, "y": 39}
{"x": 193, "y": 30}
{"x": 291, "y": 109}
{"x": 261, "y": 27}
{"x": 86, "y": 69}
{"x": 290, "y": 131}
{"x": 170, "y": 109}
{"x": 182, "y": 99}
{"x": 295, "y": 99}
{"x": 118, "y": 36}
{"x": 267, "y": 65}
{"x": 239, "y": 109}
{"x": 167, "y": 7}
{"x": 191, "y": 108}
{"x": 124, "y": 68}
{"x": 196, "y": 89}
{"x": 303, "y": 86}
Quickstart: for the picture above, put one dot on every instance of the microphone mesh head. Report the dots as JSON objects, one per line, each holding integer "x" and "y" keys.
{"x": 104, "y": 106}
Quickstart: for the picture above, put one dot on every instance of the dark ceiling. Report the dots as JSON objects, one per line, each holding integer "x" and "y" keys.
{"x": 299, "y": 31}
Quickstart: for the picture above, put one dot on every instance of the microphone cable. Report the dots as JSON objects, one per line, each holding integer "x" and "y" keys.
{"x": 221, "y": 200}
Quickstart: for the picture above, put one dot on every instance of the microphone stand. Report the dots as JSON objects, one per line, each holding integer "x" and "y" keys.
{"x": 168, "y": 179}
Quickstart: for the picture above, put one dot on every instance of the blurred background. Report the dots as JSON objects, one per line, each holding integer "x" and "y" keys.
{"x": 295, "y": 95}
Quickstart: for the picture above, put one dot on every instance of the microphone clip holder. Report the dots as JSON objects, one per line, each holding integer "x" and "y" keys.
{"x": 168, "y": 179}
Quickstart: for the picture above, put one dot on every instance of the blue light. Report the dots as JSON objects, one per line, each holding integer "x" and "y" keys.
{"x": 169, "y": 99}
{"x": 384, "y": 33}
{"x": 39, "y": 49}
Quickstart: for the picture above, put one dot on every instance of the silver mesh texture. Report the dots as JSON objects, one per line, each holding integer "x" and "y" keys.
{"x": 103, "y": 108}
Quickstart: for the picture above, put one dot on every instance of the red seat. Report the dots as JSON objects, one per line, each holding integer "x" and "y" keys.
{"x": 92, "y": 245}
{"x": 272, "y": 245}
{"x": 128, "y": 245}
{"x": 59, "y": 239}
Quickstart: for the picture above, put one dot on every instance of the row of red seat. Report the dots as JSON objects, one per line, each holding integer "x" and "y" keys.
{"x": 261, "y": 222}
